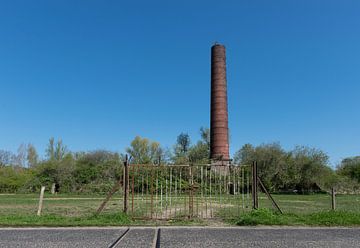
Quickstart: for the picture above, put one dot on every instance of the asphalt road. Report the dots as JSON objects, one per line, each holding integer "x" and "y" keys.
{"x": 179, "y": 237}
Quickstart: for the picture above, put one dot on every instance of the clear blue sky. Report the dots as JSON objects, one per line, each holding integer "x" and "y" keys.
{"x": 98, "y": 73}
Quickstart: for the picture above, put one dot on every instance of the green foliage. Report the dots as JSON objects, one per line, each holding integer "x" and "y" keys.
{"x": 144, "y": 151}
{"x": 350, "y": 167}
{"x": 12, "y": 179}
{"x": 181, "y": 149}
{"x": 6, "y": 158}
{"x": 97, "y": 171}
{"x": 183, "y": 143}
{"x": 32, "y": 156}
{"x": 302, "y": 169}
{"x": 90, "y": 172}
{"x": 200, "y": 152}
{"x": 323, "y": 218}
{"x": 56, "y": 151}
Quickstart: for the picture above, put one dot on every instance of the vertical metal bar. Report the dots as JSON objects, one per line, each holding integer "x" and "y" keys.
{"x": 200, "y": 194}
{"x": 142, "y": 184}
{"x": 253, "y": 183}
{"x": 234, "y": 181}
{"x": 138, "y": 183}
{"x": 170, "y": 195}
{"x": 126, "y": 184}
{"x": 248, "y": 188}
{"x": 197, "y": 192}
{"x": 254, "y": 186}
{"x": 147, "y": 191}
{"x": 132, "y": 190}
{"x": 220, "y": 190}
{"x": 156, "y": 192}
{"x": 175, "y": 191}
{"x": 269, "y": 196}
{"x": 243, "y": 187}
{"x": 161, "y": 193}
{"x": 211, "y": 210}
{"x": 181, "y": 191}
{"x": 152, "y": 192}
{"x": 190, "y": 193}
{"x": 238, "y": 170}
{"x": 166, "y": 195}
{"x": 206, "y": 193}
{"x": 257, "y": 185}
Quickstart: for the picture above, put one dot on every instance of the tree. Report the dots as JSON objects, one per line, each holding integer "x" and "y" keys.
{"x": 32, "y": 156}
{"x": 200, "y": 152}
{"x": 301, "y": 169}
{"x": 205, "y": 135}
{"x": 20, "y": 158}
{"x": 6, "y": 157}
{"x": 181, "y": 149}
{"x": 144, "y": 151}
{"x": 183, "y": 143}
{"x": 311, "y": 166}
{"x": 56, "y": 151}
{"x": 244, "y": 155}
{"x": 50, "y": 150}
{"x": 96, "y": 171}
{"x": 350, "y": 167}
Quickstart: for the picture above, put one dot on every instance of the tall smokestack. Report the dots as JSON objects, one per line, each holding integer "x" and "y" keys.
{"x": 219, "y": 132}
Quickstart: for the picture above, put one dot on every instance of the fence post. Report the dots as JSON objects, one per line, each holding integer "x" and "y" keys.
{"x": 333, "y": 199}
{"x": 254, "y": 186}
{"x": 41, "y": 200}
{"x": 126, "y": 183}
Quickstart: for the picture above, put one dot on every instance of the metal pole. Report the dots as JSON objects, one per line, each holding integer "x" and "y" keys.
{"x": 126, "y": 184}
{"x": 254, "y": 186}
{"x": 152, "y": 192}
{"x": 190, "y": 193}
{"x": 132, "y": 190}
{"x": 269, "y": 196}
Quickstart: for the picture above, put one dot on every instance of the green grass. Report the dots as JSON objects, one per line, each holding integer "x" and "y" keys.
{"x": 323, "y": 218}
{"x": 78, "y": 210}
{"x": 312, "y": 203}
{"x": 58, "y": 220}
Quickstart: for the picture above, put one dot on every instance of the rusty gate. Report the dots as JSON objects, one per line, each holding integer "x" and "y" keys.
{"x": 166, "y": 192}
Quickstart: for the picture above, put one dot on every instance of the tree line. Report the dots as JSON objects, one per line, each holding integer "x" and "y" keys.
{"x": 300, "y": 170}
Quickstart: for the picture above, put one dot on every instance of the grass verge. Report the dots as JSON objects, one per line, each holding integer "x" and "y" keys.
{"x": 50, "y": 220}
{"x": 324, "y": 218}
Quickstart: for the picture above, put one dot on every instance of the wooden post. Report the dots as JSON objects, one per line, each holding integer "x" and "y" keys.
{"x": 254, "y": 188}
{"x": 41, "y": 200}
{"x": 333, "y": 199}
{"x": 126, "y": 184}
